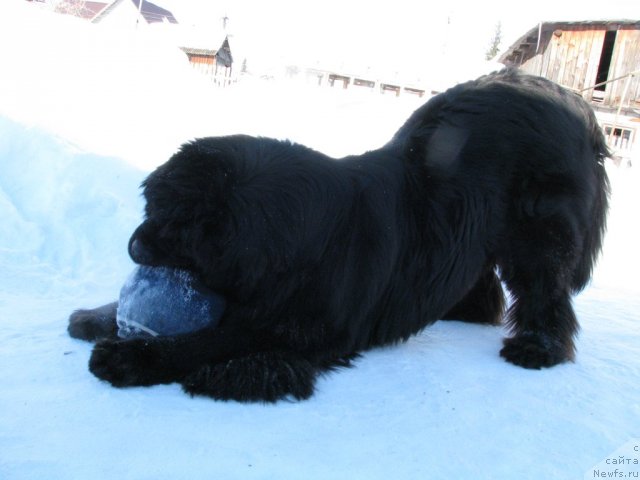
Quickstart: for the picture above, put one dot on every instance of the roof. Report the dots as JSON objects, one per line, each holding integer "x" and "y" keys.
{"x": 151, "y": 12}
{"x": 91, "y": 9}
{"x": 86, "y": 10}
{"x": 532, "y": 34}
{"x": 603, "y": 22}
{"x": 199, "y": 51}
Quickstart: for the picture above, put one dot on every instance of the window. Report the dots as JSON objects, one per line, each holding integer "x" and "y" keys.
{"x": 621, "y": 139}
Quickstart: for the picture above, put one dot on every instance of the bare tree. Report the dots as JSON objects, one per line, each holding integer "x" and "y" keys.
{"x": 494, "y": 44}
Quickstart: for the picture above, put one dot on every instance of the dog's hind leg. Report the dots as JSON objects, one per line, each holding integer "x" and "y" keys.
{"x": 95, "y": 324}
{"x": 484, "y": 303}
{"x": 538, "y": 270}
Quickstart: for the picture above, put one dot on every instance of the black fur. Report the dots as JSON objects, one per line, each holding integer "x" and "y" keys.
{"x": 94, "y": 324}
{"x": 320, "y": 258}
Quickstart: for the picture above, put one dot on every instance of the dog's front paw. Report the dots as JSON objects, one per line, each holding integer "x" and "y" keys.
{"x": 125, "y": 363}
{"x": 535, "y": 350}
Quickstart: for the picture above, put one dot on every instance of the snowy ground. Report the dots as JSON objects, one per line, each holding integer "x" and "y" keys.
{"x": 442, "y": 406}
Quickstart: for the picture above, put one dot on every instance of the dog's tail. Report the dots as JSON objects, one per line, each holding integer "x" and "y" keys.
{"x": 261, "y": 377}
{"x": 595, "y": 234}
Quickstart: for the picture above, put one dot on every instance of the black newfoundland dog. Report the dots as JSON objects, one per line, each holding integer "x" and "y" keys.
{"x": 498, "y": 179}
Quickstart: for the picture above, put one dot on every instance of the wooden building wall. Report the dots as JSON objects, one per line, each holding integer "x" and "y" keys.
{"x": 626, "y": 59}
{"x": 568, "y": 57}
{"x": 206, "y": 62}
{"x": 569, "y": 54}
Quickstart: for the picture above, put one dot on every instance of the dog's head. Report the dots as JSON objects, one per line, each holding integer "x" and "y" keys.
{"x": 183, "y": 226}
{"x": 233, "y": 210}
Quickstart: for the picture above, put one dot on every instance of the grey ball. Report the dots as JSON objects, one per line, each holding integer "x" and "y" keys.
{"x": 165, "y": 301}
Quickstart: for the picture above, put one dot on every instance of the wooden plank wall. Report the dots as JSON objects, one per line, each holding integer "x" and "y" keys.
{"x": 626, "y": 59}
{"x": 572, "y": 58}
{"x": 205, "y": 64}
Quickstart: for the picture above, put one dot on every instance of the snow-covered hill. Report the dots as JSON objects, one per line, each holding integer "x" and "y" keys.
{"x": 443, "y": 405}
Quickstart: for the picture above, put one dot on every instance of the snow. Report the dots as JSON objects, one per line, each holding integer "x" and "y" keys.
{"x": 74, "y": 147}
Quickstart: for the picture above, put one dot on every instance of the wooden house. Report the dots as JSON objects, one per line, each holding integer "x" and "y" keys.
{"x": 215, "y": 63}
{"x": 583, "y": 56}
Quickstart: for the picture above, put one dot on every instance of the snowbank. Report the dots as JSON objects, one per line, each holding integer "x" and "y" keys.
{"x": 62, "y": 209}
